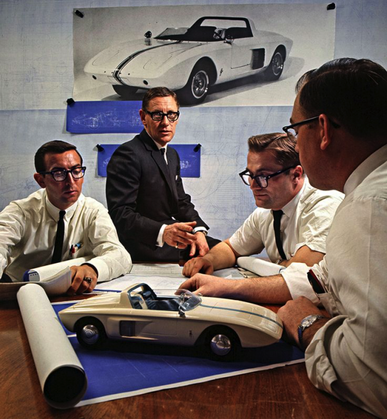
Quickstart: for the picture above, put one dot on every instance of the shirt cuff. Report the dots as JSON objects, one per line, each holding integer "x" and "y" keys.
{"x": 160, "y": 241}
{"x": 201, "y": 229}
{"x": 296, "y": 278}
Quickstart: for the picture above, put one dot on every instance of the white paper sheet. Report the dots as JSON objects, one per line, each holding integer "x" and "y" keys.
{"x": 61, "y": 375}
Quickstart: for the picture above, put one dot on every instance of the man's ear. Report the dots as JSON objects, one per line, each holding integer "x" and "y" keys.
{"x": 325, "y": 131}
{"x": 298, "y": 172}
{"x": 142, "y": 116}
{"x": 40, "y": 180}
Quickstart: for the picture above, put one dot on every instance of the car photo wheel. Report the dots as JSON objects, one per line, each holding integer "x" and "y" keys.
{"x": 90, "y": 333}
{"x": 222, "y": 344}
{"x": 197, "y": 87}
{"x": 276, "y": 66}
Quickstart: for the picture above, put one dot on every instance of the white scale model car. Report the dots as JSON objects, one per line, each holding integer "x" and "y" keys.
{"x": 215, "y": 49}
{"x": 221, "y": 326}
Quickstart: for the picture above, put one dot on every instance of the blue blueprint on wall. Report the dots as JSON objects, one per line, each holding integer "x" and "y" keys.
{"x": 103, "y": 117}
{"x": 125, "y": 369}
{"x": 189, "y": 158}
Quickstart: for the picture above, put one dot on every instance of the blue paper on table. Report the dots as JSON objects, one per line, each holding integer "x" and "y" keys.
{"x": 189, "y": 158}
{"x": 123, "y": 369}
{"x": 104, "y": 117}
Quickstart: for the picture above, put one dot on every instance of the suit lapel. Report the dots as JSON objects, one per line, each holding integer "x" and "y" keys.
{"x": 169, "y": 175}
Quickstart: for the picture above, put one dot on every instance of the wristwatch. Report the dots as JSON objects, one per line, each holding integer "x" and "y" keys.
{"x": 305, "y": 323}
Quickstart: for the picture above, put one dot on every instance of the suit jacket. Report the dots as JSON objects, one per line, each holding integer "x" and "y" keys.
{"x": 143, "y": 193}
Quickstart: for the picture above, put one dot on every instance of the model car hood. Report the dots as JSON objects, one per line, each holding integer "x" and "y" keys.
{"x": 108, "y": 298}
{"x": 124, "y": 52}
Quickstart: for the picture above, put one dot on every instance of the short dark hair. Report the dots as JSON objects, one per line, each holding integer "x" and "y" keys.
{"x": 158, "y": 92}
{"x": 283, "y": 146}
{"x": 352, "y": 92}
{"x": 52, "y": 147}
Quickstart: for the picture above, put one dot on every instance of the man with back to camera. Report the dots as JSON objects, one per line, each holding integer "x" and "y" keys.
{"x": 339, "y": 118}
{"x": 154, "y": 217}
{"x": 278, "y": 183}
{"x": 29, "y": 227}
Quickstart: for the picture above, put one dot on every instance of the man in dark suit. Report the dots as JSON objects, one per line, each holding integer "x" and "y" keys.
{"x": 154, "y": 217}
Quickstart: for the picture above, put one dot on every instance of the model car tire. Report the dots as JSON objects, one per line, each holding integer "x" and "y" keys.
{"x": 124, "y": 91}
{"x": 90, "y": 333}
{"x": 196, "y": 89}
{"x": 276, "y": 66}
{"x": 221, "y": 343}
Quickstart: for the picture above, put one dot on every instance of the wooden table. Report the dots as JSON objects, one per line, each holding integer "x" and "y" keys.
{"x": 280, "y": 393}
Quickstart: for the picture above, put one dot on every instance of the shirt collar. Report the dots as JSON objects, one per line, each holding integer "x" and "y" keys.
{"x": 159, "y": 147}
{"x": 365, "y": 168}
{"x": 291, "y": 206}
{"x": 54, "y": 211}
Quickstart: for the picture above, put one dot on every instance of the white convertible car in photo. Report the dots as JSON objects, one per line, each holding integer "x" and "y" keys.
{"x": 191, "y": 60}
{"x": 219, "y": 326}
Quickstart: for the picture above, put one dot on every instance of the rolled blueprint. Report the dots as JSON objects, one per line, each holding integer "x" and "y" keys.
{"x": 61, "y": 375}
{"x": 259, "y": 266}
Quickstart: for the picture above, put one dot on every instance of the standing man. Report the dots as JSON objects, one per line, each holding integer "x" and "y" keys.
{"x": 155, "y": 218}
{"x": 279, "y": 186}
{"x": 58, "y": 223}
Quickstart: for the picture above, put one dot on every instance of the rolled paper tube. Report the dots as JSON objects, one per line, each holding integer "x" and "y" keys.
{"x": 259, "y": 266}
{"x": 61, "y": 375}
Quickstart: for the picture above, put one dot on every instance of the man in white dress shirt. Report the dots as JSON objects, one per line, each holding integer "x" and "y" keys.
{"x": 277, "y": 181}
{"x": 339, "y": 118}
{"x": 28, "y": 227}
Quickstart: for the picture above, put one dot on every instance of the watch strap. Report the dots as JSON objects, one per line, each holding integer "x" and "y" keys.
{"x": 312, "y": 319}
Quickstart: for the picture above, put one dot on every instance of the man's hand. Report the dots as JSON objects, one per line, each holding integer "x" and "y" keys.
{"x": 179, "y": 235}
{"x": 196, "y": 265}
{"x": 200, "y": 245}
{"x": 292, "y": 314}
{"x": 80, "y": 276}
{"x": 209, "y": 285}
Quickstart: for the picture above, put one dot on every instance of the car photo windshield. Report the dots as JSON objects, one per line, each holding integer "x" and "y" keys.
{"x": 189, "y": 301}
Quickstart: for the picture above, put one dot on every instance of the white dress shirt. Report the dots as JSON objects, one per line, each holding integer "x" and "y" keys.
{"x": 305, "y": 222}
{"x": 347, "y": 357}
{"x": 28, "y": 229}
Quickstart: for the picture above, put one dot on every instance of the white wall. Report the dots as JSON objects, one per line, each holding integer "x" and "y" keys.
{"x": 36, "y": 47}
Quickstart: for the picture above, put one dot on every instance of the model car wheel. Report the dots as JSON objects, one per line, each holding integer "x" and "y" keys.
{"x": 197, "y": 87}
{"x": 222, "y": 343}
{"x": 124, "y": 91}
{"x": 276, "y": 66}
{"x": 90, "y": 333}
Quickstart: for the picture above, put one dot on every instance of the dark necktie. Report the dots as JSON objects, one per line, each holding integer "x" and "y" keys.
{"x": 162, "y": 151}
{"x": 57, "y": 255}
{"x": 277, "y": 231}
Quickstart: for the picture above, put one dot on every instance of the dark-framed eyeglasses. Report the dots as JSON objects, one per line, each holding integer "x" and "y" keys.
{"x": 262, "y": 181}
{"x": 289, "y": 129}
{"x": 159, "y": 116}
{"x": 60, "y": 175}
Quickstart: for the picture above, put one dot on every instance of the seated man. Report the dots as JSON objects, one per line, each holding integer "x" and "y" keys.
{"x": 153, "y": 215}
{"x": 339, "y": 118}
{"x": 279, "y": 186}
{"x": 59, "y": 216}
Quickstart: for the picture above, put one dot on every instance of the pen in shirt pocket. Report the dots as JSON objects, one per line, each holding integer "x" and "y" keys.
{"x": 315, "y": 283}
{"x": 74, "y": 248}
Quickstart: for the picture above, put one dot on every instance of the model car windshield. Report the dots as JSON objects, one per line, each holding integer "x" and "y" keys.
{"x": 188, "y": 300}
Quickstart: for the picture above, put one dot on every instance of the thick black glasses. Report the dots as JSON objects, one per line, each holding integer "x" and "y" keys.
{"x": 262, "y": 181}
{"x": 60, "y": 175}
{"x": 159, "y": 116}
{"x": 289, "y": 129}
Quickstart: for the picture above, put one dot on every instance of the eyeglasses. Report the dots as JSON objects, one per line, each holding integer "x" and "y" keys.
{"x": 60, "y": 175}
{"x": 262, "y": 181}
{"x": 289, "y": 129}
{"x": 159, "y": 116}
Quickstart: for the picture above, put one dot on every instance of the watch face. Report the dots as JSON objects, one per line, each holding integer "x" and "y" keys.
{"x": 308, "y": 321}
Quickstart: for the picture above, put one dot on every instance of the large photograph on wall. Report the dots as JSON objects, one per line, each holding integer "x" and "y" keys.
{"x": 223, "y": 55}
